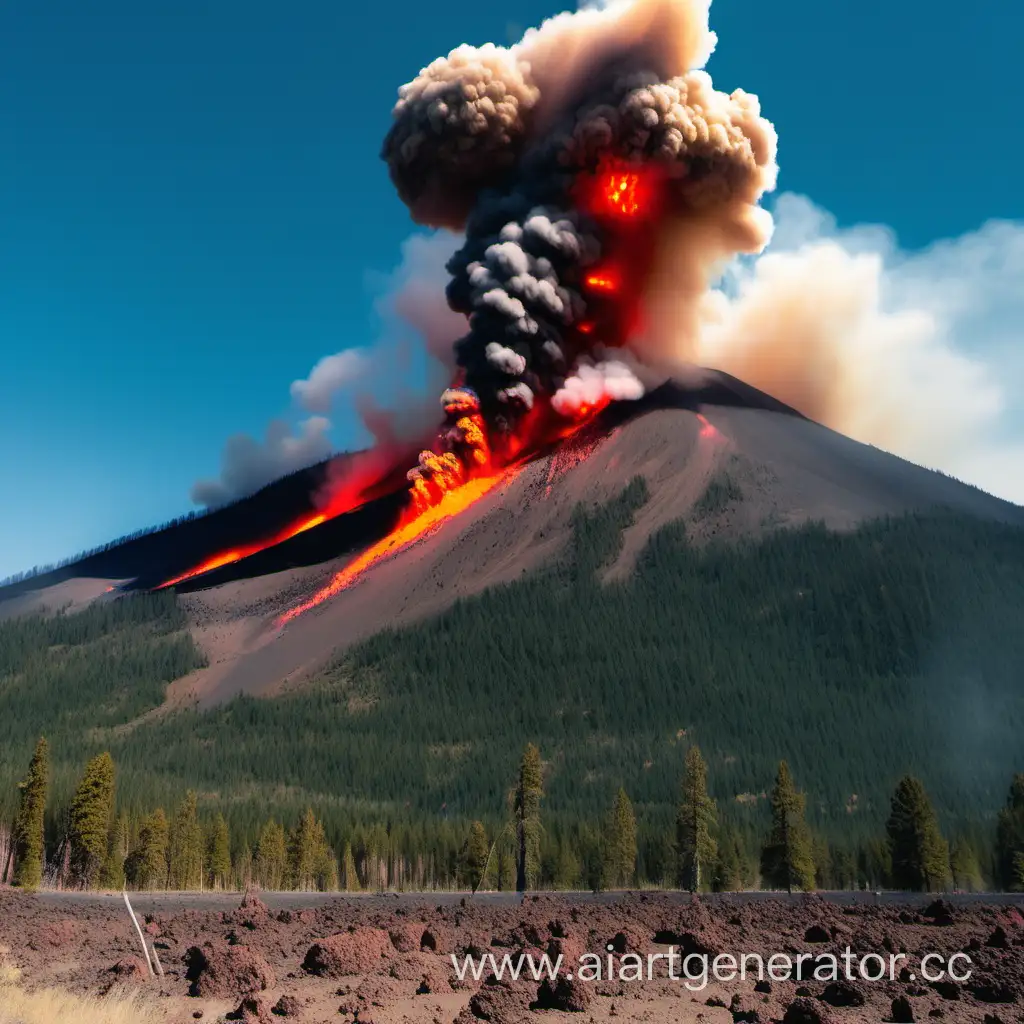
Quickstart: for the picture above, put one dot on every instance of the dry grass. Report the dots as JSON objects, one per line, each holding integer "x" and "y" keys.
{"x": 52, "y": 1006}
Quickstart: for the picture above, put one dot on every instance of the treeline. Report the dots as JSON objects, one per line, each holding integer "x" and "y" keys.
{"x": 100, "y": 846}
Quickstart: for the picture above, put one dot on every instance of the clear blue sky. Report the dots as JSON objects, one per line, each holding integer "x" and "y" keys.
{"x": 191, "y": 198}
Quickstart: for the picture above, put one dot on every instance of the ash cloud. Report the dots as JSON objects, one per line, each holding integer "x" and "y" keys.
{"x": 316, "y": 392}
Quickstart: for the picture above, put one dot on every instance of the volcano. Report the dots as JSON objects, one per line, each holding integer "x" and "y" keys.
{"x": 725, "y": 459}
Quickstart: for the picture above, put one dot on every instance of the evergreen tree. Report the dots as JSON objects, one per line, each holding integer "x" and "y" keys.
{"x": 730, "y": 874}
{"x": 218, "y": 858}
{"x": 147, "y": 864}
{"x": 567, "y": 867}
{"x": 920, "y": 856}
{"x": 350, "y": 877}
{"x": 186, "y": 846}
{"x": 696, "y": 821}
{"x": 619, "y": 848}
{"x": 113, "y": 874}
{"x": 965, "y": 868}
{"x": 271, "y": 864}
{"x": 787, "y": 861}
{"x": 526, "y": 808}
{"x": 311, "y": 865}
{"x": 477, "y": 851}
{"x": 28, "y": 827}
{"x": 92, "y": 813}
{"x": 1010, "y": 838}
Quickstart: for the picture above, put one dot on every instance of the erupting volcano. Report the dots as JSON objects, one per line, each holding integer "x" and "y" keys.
{"x": 592, "y": 169}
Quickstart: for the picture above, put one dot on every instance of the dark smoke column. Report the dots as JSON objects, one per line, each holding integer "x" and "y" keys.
{"x": 599, "y": 179}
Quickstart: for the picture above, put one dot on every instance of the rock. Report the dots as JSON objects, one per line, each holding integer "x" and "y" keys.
{"x": 993, "y": 992}
{"x": 998, "y": 939}
{"x": 902, "y": 1011}
{"x": 817, "y": 933}
{"x": 939, "y": 913}
{"x": 502, "y": 1004}
{"x": 252, "y": 904}
{"x": 807, "y": 1011}
{"x": 253, "y": 1010}
{"x": 764, "y": 985}
{"x": 570, "y": 996}
{"x": 947, "y": 989}
{"x": 287, "y": 1006}
{"x": 356, "y": 951}
{"x": 842, "y": 993}
{"x": 225, "y": 971}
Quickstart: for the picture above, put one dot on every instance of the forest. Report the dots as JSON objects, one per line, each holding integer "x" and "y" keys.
{"x": 860, "y": 658}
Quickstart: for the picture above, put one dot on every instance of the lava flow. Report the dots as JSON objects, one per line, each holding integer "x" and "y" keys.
{"x": 418, "y": 523}
{"x": 237, "y": 554}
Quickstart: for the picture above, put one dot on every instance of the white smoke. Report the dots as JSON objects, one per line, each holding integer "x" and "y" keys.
{"x": 248, "y": 464}
{"x": 414, "y": 315}
{"x": 594, "y": 384}
{"x": 912, "y": 352}
{"x": 316, "y": 392}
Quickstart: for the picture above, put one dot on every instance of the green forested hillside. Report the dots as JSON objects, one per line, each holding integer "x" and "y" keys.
{"x": 858, "y": 657}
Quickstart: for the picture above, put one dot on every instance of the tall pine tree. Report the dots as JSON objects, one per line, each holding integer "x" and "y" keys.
{"x": 218, "y": 856}
{"x": 186, "y": 846}
{"x": 696, "y": 821}
{"x": 786, "y": 861}
{"x": 92, "y": 814}
{"x": 271, "y": 863}
{"x": 28, "y": 828}
{"x": 920, "y": 856}
{"x": 526, "y": 808}
{"x": 477, "y": 851}
{"x": 147, "y": 864}
{"x": 619, "y": 846}
{"x": 1010, "y": 838}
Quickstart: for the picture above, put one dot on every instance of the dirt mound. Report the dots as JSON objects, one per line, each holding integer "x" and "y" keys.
{"x": 222, "y": 970}
{"x": 353, "y": 952}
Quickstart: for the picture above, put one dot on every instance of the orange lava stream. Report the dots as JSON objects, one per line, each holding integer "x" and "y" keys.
{"x": 405, "y": 534}
{"x": 237, "y": 554}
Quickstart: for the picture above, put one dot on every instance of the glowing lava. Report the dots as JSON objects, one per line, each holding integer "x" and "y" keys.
{"x": 604, "y": 281}
{"x": 237, "y": 554}
{"x": 420, "y": 524}
{"x": 621, "y": 191}
{"x": 707, "y": 428}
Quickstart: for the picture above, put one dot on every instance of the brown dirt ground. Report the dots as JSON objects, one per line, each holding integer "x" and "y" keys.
{"x": 361, "y": 960}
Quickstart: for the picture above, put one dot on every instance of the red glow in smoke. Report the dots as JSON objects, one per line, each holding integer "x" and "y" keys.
{"x": 621, "y": 191}
{"x": 707, "y": 429}
{"x": 603, "y": 281}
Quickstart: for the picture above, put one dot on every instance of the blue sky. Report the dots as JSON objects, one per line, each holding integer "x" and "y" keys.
{"x": 194, "y": 212}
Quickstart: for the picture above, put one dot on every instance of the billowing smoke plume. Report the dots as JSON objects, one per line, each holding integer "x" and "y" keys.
{"x": 586, "y": 164}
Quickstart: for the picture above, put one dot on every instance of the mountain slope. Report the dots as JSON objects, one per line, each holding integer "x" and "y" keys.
{"x": 784, "y": 470}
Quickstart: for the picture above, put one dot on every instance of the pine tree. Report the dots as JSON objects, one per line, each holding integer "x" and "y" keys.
{"x": 218, "y": 856}
{"x": 146, "y": 867}
{"x": 965, "y": 868}
{"x": 1010, "y": 838}
{"x": 311, "y": 864}
{"x": 92, "y": 813}
{"x": 477, "y": 851}
{"x": 113, "y": 874}
{"x": 619, "y": 847}
{"x": 526, "y": 808}
{"x": 271, "y": 864}
{"x": 920, "y": 856}
{"x": 567, "y": 868}
{"x": 696, "y": 821}
{"x": 730, "y": 874}
{"x": 28, "y": 827}
{"x": 786, "y": 861}
{"x": 350, "y": 877}
{"x": 186, "y": 846}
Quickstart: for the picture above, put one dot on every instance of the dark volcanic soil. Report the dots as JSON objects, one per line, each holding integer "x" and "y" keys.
{"x": 363, "y": 960}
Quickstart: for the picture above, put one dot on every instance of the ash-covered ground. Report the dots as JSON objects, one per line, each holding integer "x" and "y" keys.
{"x": 390, "y": 961}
